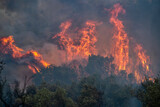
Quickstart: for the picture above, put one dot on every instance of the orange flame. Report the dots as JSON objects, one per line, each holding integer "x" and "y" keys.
{"x": 120, "y": 50}
{"x": 142, "y": 64}
{"x": 81, "y": 47}
{"x": 81, "y": 44}
{"x": 7, "y": 46}
{"x": 121, "y": 42}
{"x": 143, "y": 59}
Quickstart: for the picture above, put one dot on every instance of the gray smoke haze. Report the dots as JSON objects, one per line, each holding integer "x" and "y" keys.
{"x": 34, "y": 22}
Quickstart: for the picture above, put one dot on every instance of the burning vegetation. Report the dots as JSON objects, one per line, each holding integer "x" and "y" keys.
{"x": 121, "y": 49}
{"x": 32, "y": 58}
{"x": 79, "y": 53}
{"x": 85, "y": 45}
{"x": 80, "y": 43}
{"x": 82, "y": 46}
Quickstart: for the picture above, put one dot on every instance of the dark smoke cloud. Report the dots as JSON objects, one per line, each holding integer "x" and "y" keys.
{"x": 34, "y": 22}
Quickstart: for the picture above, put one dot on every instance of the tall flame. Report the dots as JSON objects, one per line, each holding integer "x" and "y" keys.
{"x": 83, "y": 45}
{"x": 142, "y": 64}
{"x": 120, "y": 50}
{"x": 32, "y": 58}
{"x": 121, "y": 42}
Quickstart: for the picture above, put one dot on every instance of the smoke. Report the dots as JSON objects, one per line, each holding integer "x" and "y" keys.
{"x": 134, "y": 102}
{"x": 56, "y": 56}
{"x": 34, "y": 22}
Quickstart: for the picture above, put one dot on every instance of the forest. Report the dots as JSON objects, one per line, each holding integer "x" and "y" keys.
{"x": 62, "y": 87}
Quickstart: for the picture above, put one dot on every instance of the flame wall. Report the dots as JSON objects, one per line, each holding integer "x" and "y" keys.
{"x": 33, "y": 23}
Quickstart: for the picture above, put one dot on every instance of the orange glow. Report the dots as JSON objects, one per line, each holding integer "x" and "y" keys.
{"x": 120, "y": 39}
{"x": 80, "y": 43}
{"x": 38, "y": 57}
{"x": 83, "y": 45}
{"x": 32, "y": 69}
{"x": 139, "y": 65}
{"x": 7, "y": 46}
{"x": 143, "y": 59}
{"x": 142, "y": 63}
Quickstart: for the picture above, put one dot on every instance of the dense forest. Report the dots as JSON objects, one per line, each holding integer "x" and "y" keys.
{"x": 62, "y": 86}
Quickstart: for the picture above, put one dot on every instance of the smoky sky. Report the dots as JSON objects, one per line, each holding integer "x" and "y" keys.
{"x": 34, "y": 22}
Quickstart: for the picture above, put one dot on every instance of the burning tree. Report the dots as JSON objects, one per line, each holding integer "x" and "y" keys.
{"x": 32, "y": 58}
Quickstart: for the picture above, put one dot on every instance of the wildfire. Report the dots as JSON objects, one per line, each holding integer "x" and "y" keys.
{"x": 142, "y": 64}
{"x": 120, "y": 50}
{"x": 143, "y": 59}
{"x": 32, "y": 58}
{"x": 121, "y": 42}
{"x": 82, "y": 45}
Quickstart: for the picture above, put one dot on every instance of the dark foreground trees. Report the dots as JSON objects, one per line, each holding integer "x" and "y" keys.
{"x": 91, "y": 91}
{"x": 2, "y": 87}
{"x": 149, "y": 93}
{"x": 42, "y": 98}
{"x": 90, "y": 97}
